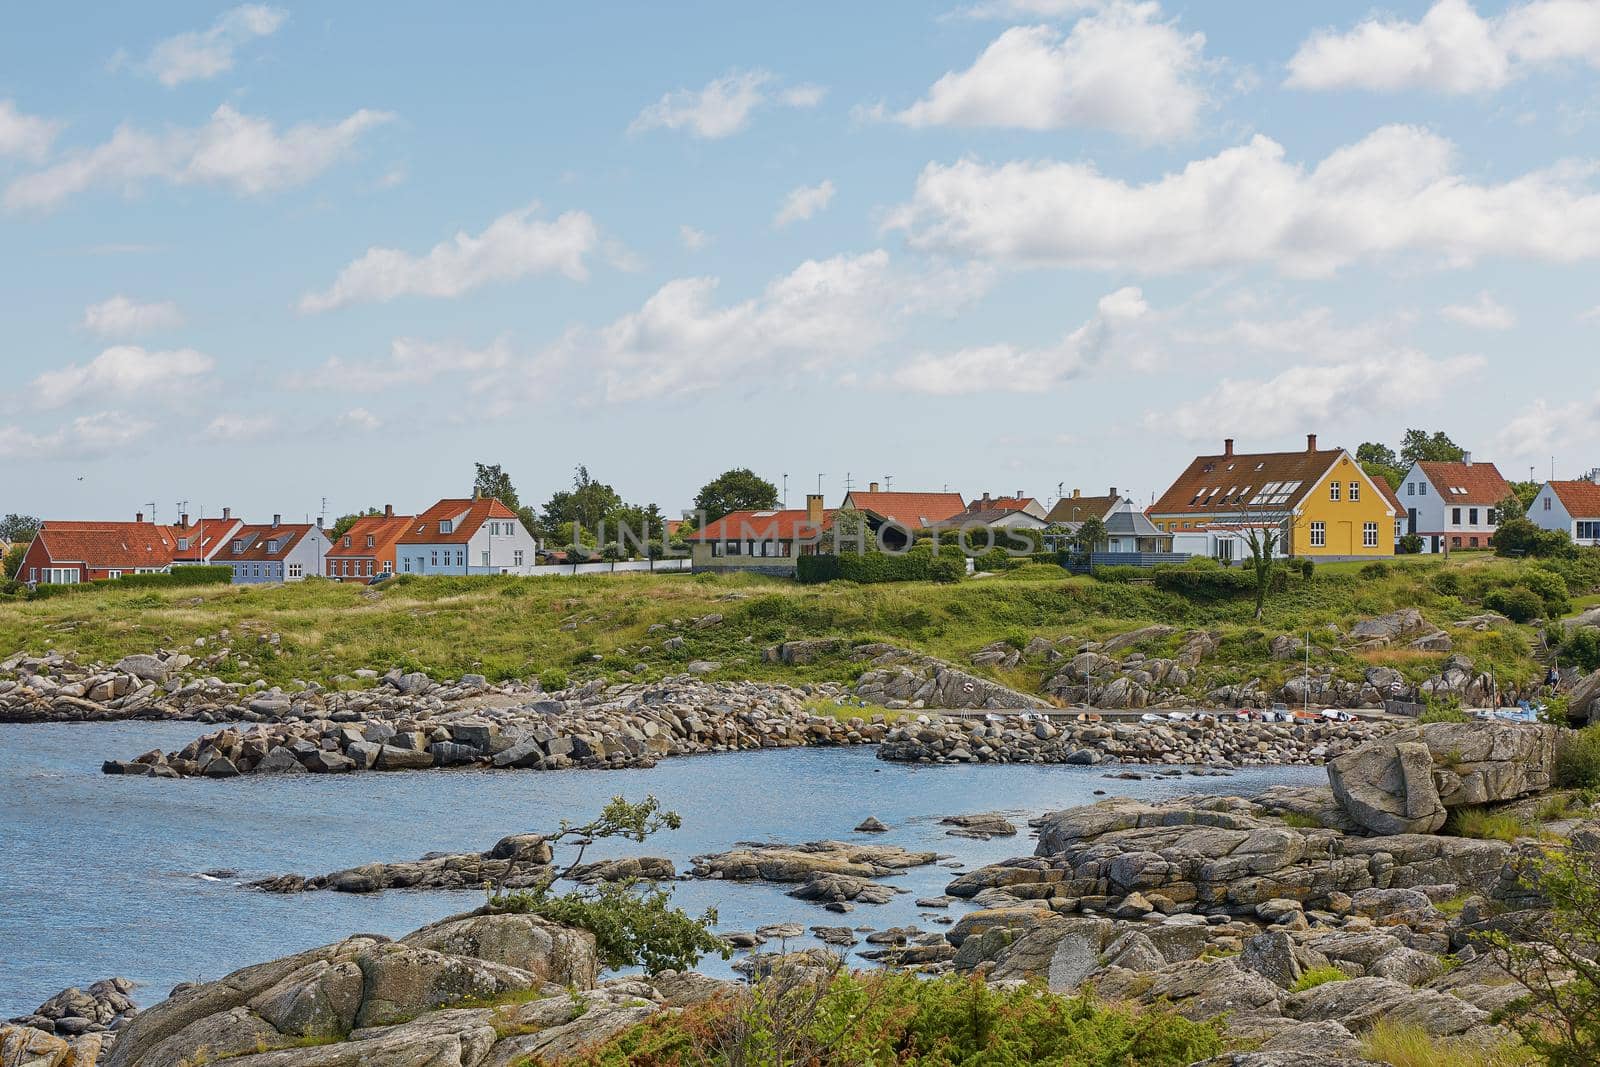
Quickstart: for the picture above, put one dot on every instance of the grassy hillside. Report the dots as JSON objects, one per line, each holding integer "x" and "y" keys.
{"x": 595, "y": 626}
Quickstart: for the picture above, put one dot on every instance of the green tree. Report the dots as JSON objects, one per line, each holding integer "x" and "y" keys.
{"x": 1419, "y": 446}
{"x": 740, "y": 489}
{"x": 1090, "y": 532}
{"x": 12, "y": 563}
{"x": 490, "y": 482}
{"x": 16, "y": 527}
{"x": 587, "y": 503}
{"x": 1262, "y": 542}
{"x": 1520, "y": 499}
{"x": 342, "y": 524}
{"x": 1379, "y": 461}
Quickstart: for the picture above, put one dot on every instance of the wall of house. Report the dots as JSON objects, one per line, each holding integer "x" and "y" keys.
{"x": 703, "y": 561}
{"x": 38, "y": 559}
{"x": 307, "y": 554}
{"x": 1343, "y": 520}
{"x": 502, "y": 549}
{"x": 1436, "y": 514}
{"x": 1549, "y": 513}
{"x": 431, "y": 559}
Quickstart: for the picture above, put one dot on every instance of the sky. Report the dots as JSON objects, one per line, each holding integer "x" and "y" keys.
{"x": 307, "y": 260}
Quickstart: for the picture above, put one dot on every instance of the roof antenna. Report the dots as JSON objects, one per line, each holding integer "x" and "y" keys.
{"x": 785, "y": 502}
{"x": 152, "y": 507}
{"x": 888, "y": 483}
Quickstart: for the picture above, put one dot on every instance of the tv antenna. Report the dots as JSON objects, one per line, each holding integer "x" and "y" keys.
{"x": 888, "y": 483}
{"x": 785, "y": 501}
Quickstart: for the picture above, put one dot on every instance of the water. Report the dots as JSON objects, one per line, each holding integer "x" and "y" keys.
{"x": 98, "y": 873}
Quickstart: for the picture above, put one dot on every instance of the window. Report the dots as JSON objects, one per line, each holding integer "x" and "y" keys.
{"x": 1472, "y": 516}
{"x": 1547, "y": 503}
{"x": 433, "y": 557}
{"x": 1422, "y": 488}
{"x": 516, "y": 558}
{"x": 113, "y": 574}
{"x": 461, "y": 557}
{"x": 1455, "y": 516}
{"x": 1369, "y": 534}
{"x": 1411, "y": 489}
{"x": 445, "y": 525}
{"x": 405, "y": 564}
{"x": 733, "y": 547}
{"x": 296, "y": 570}
{"x": 388, "y": 566}
{"x": 372, "y": 542}
{"x": 1588, "y": 531}
{"x": 1319, "y": 534}
{"x": 1355, "y": 492}
{"x": 60, "y": 576}
{"x": 347, "y": 540}
{"x": 1494, "y": 517}
{"x": 486, "y": 557}
{"x": 1333, "y": 490}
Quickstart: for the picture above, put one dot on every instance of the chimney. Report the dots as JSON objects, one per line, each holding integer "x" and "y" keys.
{"x": 277, "y": 521}
{"x": 227, "y": 514}
{"x": 872, "y": 487}
{"x": 1113, "y": 493}
{"x": 1076, "y": 493}
{"x": 183, "y": 520}
{"x": 388, "y": 511}
{"x": 138, "y": 516}
{"x": 1466, "y": 458}
{"x": 814, "y": 509}
{"x": 985, "y": 499}
{"x": 1227, "y": 446}
{"x": 475, "y": 494}
{"x": 1311, "y": 442}
{"x": 1019, "y": 495}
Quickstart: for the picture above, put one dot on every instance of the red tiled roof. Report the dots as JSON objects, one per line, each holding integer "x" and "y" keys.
{"x": 285, "y": 536}
{"x": 1245, "y": 483}
{"x": 1581, "y": 498}
{"x": 1001, "y": 503}
{"x": 207, "y": 537}
{"x": 108, "y": 545}
{"x": 1390, "y": 493}
{"x": 385, "y": 531}
{"x": 1480, "y": 483}
{"x": 467, "y": 515}
{"x": 911, "y": 510}
{"x": 762, "y": 526}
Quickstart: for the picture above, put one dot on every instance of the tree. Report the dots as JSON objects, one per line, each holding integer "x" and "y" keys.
{"x": 16, "y": 527}
{"x": 342, "y": 524}
{"x": 740, "y": 489}
{"x": 1519, "y": 536}
{"x": 1520, "y": 500}
{"x": 1090, "y": 532}
{"x": 587, "y": 503}
{"x": 492, "y": 483}
{"x": 1262, "y": 541}
{"x": 12, "y": 563}
{"x": 1379, "y": 461}
{"x": 1419, "y": 446}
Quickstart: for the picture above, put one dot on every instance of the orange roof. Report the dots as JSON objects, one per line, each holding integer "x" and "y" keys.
{"x": 1581, "y": 498}
{"x": 108, "y": 545}
{"x": 1390, "y": 494}
{"x": 1001, "y": 503}
{"x": 1467, "y": 483}
{"x": 1230, "y": 485}
{"x": 465, "y": 516}
{"x": 265, "y": 542}
{"x": 206, "y": 538}
{"x": 789, "y": 525}
{"x": 385, "y": 531}
{"x": 911, "y": 510}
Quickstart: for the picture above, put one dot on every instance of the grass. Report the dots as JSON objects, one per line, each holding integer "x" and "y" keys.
{"x": 1301, "y": 821}
{"x": 1488, "y": 825}
{"x": 1318, "y": 976}
{"x": 596, "y": 626}
{"x": 845, "y": 712}
{"x": 1409, "y": 1045}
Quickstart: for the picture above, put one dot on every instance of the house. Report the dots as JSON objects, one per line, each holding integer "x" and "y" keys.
{"x": 904, "y": 513}
{"x": 1017, "y": 512}
{"x": 1392, "y": 495}
{"x": 275, "y": 552}
{"x": 1453, "y": 505}
{"x": 1321, "y": 500}
{"x": 1077, "y": 507}
{"x": 761, "y": 542}
{"x": 201, "y": 543}
{"x": 1228, "y": 542}
{"x": 67, "y": 553}
{"x": 479, "y": 535}
{"x": 367, "y": 550}
{"x": 1571, "y": 506}
{"x": 1128, "y": 531}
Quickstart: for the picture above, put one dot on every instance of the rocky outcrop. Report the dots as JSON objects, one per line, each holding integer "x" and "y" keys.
{"x": 1584, "y": 699}
{"x": 805, "y": 862}
{"x": 898, "y": 678}
{"x": 514, "y": 862}
{"x": 1407, "y": 782}
{"x": 74, "y": 1028}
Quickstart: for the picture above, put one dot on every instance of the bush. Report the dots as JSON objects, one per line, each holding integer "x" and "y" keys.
{"x": 1375, "y": 569}
{"x": 1578, "y": 758}
{"x": 552, "y": 679}
{"x": 1408, "y": 545}
{"x": 1308, "y": 568}
{"x": 1580, "y": 646}
{"x": 1119, "y": 574}
{"x": 812, "y": 570}
{"x": 1447, "y": 583}
{"x": 946, "y": 571}
{"x": 1209, "y": 583}
{"x": 995, "y": 560}
{"x": 1318, "y": 976}
{"x": 917, "y": 565}
{"x": 1549, "y": 586}
{"x": 1517, "y": 604}
{"x": 1520, "y": 537}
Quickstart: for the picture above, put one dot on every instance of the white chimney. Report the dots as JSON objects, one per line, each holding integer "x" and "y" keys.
{"x": 1466, "y": 457}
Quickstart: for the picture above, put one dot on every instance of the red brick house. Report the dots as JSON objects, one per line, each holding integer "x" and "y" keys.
{"x": 67, "y": 553}
{"x": 367, "y": 549}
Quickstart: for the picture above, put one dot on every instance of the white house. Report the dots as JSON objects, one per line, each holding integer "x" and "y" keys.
{"x": 1453, "y": 505}
{"x": 1570, "y": 506}
{"x": 1229, "y": 542}
{"x": 477, "y": 536}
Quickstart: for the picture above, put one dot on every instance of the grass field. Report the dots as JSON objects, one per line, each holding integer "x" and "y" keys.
{"x": 596, "y": 625}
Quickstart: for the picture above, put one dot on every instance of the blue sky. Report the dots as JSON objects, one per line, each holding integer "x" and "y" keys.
{"x": 263, "y": 255}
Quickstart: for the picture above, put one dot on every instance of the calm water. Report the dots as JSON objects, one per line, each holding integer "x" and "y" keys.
{"x": 98, "y": 873}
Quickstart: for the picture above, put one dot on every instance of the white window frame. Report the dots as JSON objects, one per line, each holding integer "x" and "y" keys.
{"x": 516, "y": 558}
{"x": 485, "y": 556}
{"x": 296, "y": 570}
{"x": 1319, "y": 535}
{"x": 1369, "y": 535}
{"x": 1355, "y": 492}
{"x": 1333, "y": 489}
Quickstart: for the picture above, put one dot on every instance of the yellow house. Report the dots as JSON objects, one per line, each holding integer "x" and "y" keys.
{"x": 1326, "y": 506}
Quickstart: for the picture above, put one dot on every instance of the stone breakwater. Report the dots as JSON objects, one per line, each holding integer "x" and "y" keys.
{"x": 596, "y": 727}
{"x": 1016, "y": 739}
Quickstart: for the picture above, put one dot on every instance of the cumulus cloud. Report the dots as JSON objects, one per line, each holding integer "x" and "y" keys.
{"x": 1308, "y": 394}
{"x": 122, "y": 371}
{"x": 804, "y": 202}
{"x": 411, "y": 362}
{"x": 724, "y": 106}
{"x": 1543, "y": 429}
{"x": 361, "y": 420}
{"x": 123, "y": 316}
{"x": 694, "y": 240}
{"x": 681, "y": 340}
{"x": 1015, "y": 369}
{"x": 1122, "y": 69}
{"x": 85, "y": 437}
{"x": 1451, "y": 49}
{"x": 1483, "y": 313}
{"x": 235, "y": 426}
{"x": 25, "y": 136}
{"x": 512, "y": 246}
{"x": 202, "y": 54}
{"x": 1394, "y": 192}
{"x": 233, "y": 150}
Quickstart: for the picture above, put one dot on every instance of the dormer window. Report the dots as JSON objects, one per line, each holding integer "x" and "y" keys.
{"x": 347, "y": 540}
{"x": 445, "y": 526}
{"x": 183, "y": 544}
{"x": 371, "y": 541}
{"x": 238, "y": 546}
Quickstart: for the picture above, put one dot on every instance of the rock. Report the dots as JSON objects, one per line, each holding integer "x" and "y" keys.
{"x": 798, "y": 863}
{"x": 1386, "y": 628}
{"x": 628, "y": 869}
{"x": 145, "y": 668}
{"x": 982, "y": 826}
{"x": 703, "y": 666}
{"x": 23, "y": 1046}
{"x": 551, "y": 953}
{"x": 279, "y": 761}
{"x": 391, "y": 758}
{"x": 1359, "y": 1003}
{"x": 871, "y": 825}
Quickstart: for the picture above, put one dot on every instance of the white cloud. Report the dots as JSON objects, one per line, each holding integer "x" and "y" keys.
{"x": 681, "y": 341}
{"x": 1394, "y": 192}
{"x": 234, "y": 150}
{"x": 1592, "y": 315}
{"x": 1317, "y": 393}
{"x": 1027, "y": 9}
{"x": 1120, "y": 69}
{"x": 1312, "y": 332}
{"x": 694, "y": 240}
{"x": 121, "y": 371}
{"x": 724, "y": 106}
{"x": 411, "y": 362}
{"x": 123, "y": 316}
{"x": 804, "y": 202}
{"x": 233, "y": 426}
{"x": 1451, "y": 49}
{"x": 85, "y": 437}
{"x": 1483, "y": 313}
{"x": 202, "y": 54}
{"x": 25, "y": 136}
{"x": 1008, "y": 368}
{"x": 1542, "y": 430}
{"x": 360, "y": 419}
{"x": 512, "y": 246}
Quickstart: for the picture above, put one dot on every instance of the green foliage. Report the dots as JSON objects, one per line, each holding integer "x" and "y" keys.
{"x": 1518, "y": 604}
{"x": 586, "y": 505}
{"x": 1578, "y": 758}
{"x": 1443, "y": 710}
{"x": 894, "y": 1018}
{"x": 1549, "y": 586}
{"x": 1308, "y": 568}
{"x": 1121, "y": 574}
{"x": 1486, "y": 825}
{"x": 870, "y": 568}
{"x": 552, "y": 679}
{"x": 995, "y": 560}
{"x": 19, "y": 528}
{"x": 1376, "y": 569}
{"x": 492, "y": 483}
{"x": 1446, "y": 583}
{"x": 1208, "y": 581}
{"x": 814, "y": 569}
{"x": 1317, "y": 976}
{"x": 1580, "y": 647}
{"x": 740, "y": 489}
{"x": 1409, "y": 545}
{"x": 946, "y": 571}
{"x": 1418, "y": 446}
{"x": 343, "y": 523}
{"x": 1401, "y": 1044}
{"x": 1301, "y": 821}
{"x": 1520, "y": 537}
{"x": 12, "y": 562}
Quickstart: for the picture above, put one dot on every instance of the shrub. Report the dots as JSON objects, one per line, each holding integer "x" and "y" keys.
{"x": 946, "y": 571}
{"x": 1317, "y": 976}
{"x": 1308, "y": 568}
{"x": 1443, "y": 710}
{"x": 1578, "y": 758}
{"x": 1375, "y": 569}
{"x": 180, "y": 576}
{"x": 1486, "y": 825}
{"x": 1408, "y": 545}
{"x": 552, "y": 679}
{"x": 1447, "y": 583}
{"x": 811, "y": 570}
{"x": 1580, "y": 646}
{"x": 1520, "y": 537}
{"x": 994, "y": 560}
{"x": 1119, "y": 574}
{"x": 1207, "y": 583}
{"x": 1517, "y": 604}
{"x": 1549, "y": 586}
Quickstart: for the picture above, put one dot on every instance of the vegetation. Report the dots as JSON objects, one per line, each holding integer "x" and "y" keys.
{"x": 11, "y": 562}
{"x": 1580, "y": 647}
{"x": 1578, "y": 759}
{"x": 1443, "y": 711}
{"x": 20, "y": 528}
{"x": 893, "y": 1018}
{"x": 1301, "y": 821}
{"x": 1488, "y": 825}
{"x": 1317, "y": 976}
{"x": 740, "y": 489}
{"x": 633, "y": 926}
{"x": 1408, "y": 1045}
